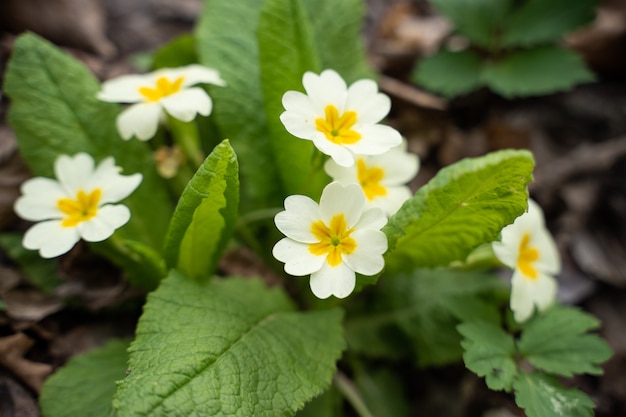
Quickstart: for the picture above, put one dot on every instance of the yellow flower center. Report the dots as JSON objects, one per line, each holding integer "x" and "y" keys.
{"x": 81, "y": 208}
{"x": 164, "y": 87}
{"x": 527, "y": 256}
{"x": 338, "y": 129}
{"x": 370, "y": 179}
{"x": 334, "y": 239}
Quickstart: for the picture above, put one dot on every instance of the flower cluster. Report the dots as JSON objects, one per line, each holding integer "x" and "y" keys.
{"x": 527, "y": 247}
{"x": 369, "y": 166}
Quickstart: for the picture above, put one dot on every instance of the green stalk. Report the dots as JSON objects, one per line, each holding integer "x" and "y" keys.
{"x": 350, "y": 392}
{"x": 186, "y": 136}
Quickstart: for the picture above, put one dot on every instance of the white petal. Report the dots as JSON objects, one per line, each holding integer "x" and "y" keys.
{"x": 295, "y": 222}
{"x": 367, "y": 258}
{"x": 73, "y": 172}
{"x": 50, "y": 238}
{"x": 299, "y": 115}
{"x": 345, "y": 175}
{"x": 39, "y": 199}
{"x": 324, "y": 89}
{"x": 125, "y": 89}
{"x": 338, "y": 281}
{"x": 549, "y": 259}
{"x": 340, "y": 154}
{"x": 372, "y": 218}
{"x": 196, "y": 74}
{"x": 298, "y": 259}
{"x": 187, "y": 103}
{"x": 522, "y": 303}
{"x": 140, "y": 120}
{"x": 400, "y": 166}
{"x": 375, "y": 140}
{"x": 371, "y": 107}
{"x": 339, "y": 199}
{"x": 105, "y": 222}
{"x": 114, "y": 186}
{"x": 392, "y": 201}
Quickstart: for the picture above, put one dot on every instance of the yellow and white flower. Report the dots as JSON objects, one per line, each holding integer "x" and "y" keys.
{"x": 342, "y": 122}
{"x": 381, "y": 177}
{"x": 166, "y": 90}
{"x": 76, "y": 205}
{"x": 331, "y": 241}
{"x": 527, "y": 247}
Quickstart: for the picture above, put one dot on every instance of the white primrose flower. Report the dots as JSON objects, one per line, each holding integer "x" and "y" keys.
{"x": 77, "y": 205}
{"x": 340, "y": 121}
{"x": 331, "y": 241}
{"x": 527, "y": 247}
{"x": 167, "y": 89}
{"x": 381, "y": 177}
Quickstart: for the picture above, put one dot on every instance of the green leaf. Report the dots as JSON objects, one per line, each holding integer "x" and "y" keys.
{"x": 489, "y": 352}
{"x": 239, "y": 109}
{"x": 177, "y": 53}
{"x": 536, "y": 71}
{"x": 420, "y": 312}
{"x": 541, "y": 396}
{"x": 328, "y": 405}
{"x": 287, "y": 50}
{"x": 450, "y": 73}
{"x": 85, "y": 386}
{"x": 204, "y": 219}
{"x": 54, "y": 111}
{"x": 382, "y": 391}
{"x": 479, "y": 20}
{"x": 232, "y": 348}
{"x": 543, "y": 21}
{"x": 465, "y": 205}
{"x": 568, "y": 349}
{"x": 41, "y": 272}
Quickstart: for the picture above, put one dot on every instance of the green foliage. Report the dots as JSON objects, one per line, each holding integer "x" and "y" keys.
{"x": 557, "y": 342}
{"x": 327, "y": 404}
{"x": 382, "y": 391}
{"x": 40, "y": 272}
{"x": 177, "y": 53}
{"x": 85, "y": 386}
{"x": 234, "y": 346}
{"x": 489, "y": 352}
{"x": 465, "y": 205}
{"x": 541, "y": 396}
{"x": 204, "y": 219}
{"x": 514, "y": 48}
{"x": 420, "y": 312}
{"x": 54, "y": 111}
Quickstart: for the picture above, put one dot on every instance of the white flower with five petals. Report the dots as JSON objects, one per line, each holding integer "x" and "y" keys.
{"x": 166, "y": 90}
{"x": 342, "y": 122}
{"x": 527, "y": 247}
{"x": 331, "y": 241}
{"x": 381, "y": 177}
{"x": 77, "y": 205}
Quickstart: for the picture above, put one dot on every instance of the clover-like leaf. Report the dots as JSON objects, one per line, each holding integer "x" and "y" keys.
{"x": 450, "y": 73}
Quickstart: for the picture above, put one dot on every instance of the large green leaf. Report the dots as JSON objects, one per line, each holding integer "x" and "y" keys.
{"x": 541, "y": 396}
{"x": 542, "y": 21}
{"x": 177, "y": 53}
{"x": 569, "y": 349}
{"x": 85, "y": 386}
{"x": 535, "y": 71}
{"x": 287, "y": 50}
{"x": 490, "y": 353}
{"x": 232, "y": 348}
{"x": 465, "y": 205}
{"x": 239, "y": 109}
{"x": 54, "y": 111}
{"x": 479, "y": 20}
{"x": 450, "y": 73}
{"x": 204, "y": 219}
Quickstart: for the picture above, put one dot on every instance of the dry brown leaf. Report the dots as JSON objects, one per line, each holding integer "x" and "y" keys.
{"x": 12, "y": 351}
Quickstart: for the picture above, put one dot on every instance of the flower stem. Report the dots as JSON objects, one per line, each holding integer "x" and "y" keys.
{"x": 349, "y": 391}
{"x": 186, "y": 135}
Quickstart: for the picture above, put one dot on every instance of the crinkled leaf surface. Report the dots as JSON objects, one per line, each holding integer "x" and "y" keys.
{"x": 239, "y": 109}
{"x": 489, "y": 352}
{"x": 479, "y": 20}
{"x": 558, "y": 342}
{"x": 465, "y": 205}
{"x": 54, "y": 111}
{"x": 540, "y": 21}
{"x": 85, "y": 386}
{"x": 541, "y": 396}
{"x": 419, "y": 312}
{"x": 540, "y": 70}
{"x": 204, "y": 219}
{"x": 450, "y": 73}
{"x": 227, "y": 348}
{"x": 287, "y": 50}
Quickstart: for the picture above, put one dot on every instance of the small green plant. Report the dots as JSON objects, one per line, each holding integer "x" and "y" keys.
{"x": 513, "y": 48}
{"x": 372, "y": 273}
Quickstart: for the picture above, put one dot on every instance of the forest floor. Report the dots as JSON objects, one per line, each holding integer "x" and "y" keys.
{"x": 578, "y": 139}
